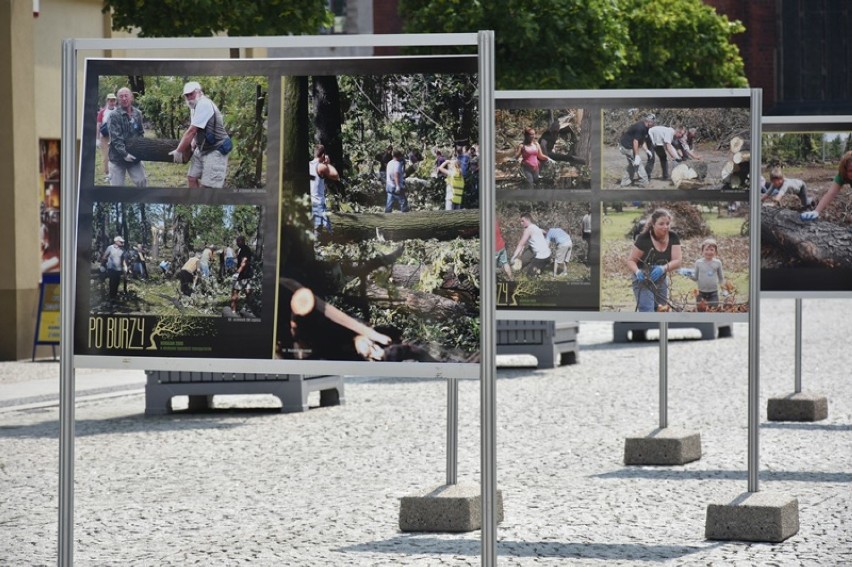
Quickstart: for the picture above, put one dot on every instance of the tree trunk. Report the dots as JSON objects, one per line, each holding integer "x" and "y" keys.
{"x": 259, "y": 104}
{"x": 584, "y": 139}
{"x": 152, "y": 149}
{"x": 443, "y": 225}
{"x": 327, "y": 118}
{"x": 425, "y": 305}
{"x": 819, "y": 243}
{"x": 180, "y": 252}
{"x": 144, "y": 221}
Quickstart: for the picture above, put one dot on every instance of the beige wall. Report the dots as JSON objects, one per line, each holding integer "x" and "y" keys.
{"x": 30, "y": 108}
{"x": 18, "y": 181}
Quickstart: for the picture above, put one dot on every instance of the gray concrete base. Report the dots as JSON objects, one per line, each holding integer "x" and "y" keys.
{"x": 448, "y": 508}
{"x": 669, "y": 446}
{"x": 753, "y": 516}
{"x": 802, "y": 406}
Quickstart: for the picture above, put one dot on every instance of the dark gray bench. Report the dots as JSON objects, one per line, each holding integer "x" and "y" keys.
{"x": 552, "y": 343}
{"x": 638, "y": 331}
{"x": 292, "y": 389}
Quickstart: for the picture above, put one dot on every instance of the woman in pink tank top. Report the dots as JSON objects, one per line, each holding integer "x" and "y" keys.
{"x": 530, "y": 153}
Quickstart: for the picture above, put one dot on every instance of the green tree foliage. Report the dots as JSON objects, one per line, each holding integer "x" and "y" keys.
{"x": 204, "y": 18}
{"x": 406, "y": 111}
{"x": 791, "y": 149}
{"x": 681, "y": 44}
{"x": 538, "y": 43}
{"x": 587, "y": 44}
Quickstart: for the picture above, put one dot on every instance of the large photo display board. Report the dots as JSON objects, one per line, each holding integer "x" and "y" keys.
{"x": 278, "y": 209}
{"x": 623, "y": 205}
{"x": 805, "y": 222}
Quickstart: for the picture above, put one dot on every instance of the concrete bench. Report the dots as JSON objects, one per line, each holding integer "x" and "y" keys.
{"x": 638, "y": 331}
{"x": 552, "y": 343}
{"x": 291, "y": 389}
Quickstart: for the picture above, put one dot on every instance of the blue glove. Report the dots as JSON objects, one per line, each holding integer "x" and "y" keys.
{"x": 809, "y": 216}
{"x": 640, "y": 276}
{"x": 657, "y": 273}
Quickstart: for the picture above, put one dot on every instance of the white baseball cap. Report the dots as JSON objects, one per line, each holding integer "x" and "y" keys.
{"x": 190, "y": 87}
{"x": 118, "y": 239}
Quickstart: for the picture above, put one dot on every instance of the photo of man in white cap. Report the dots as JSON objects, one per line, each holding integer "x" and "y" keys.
{"x": 205, "y": 139}
{"x": 115, "y": 261}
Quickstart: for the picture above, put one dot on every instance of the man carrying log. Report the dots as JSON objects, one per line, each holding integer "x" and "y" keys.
{"x": 125, "y": 124}
{"x": 206, "y": 138}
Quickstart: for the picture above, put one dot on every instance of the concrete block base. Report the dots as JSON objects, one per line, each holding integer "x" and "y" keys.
{"x": 667, "y": 446}
{"x": 801, "y": 406}
{"x": 448, "y": 508}
{"x": 753, "y": 516}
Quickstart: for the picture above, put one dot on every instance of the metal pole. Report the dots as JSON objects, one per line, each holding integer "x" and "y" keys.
{"x": 754, "y": 297}
{"x": 452, "y": 431}
{"x": 488, "y": 283}
{"x": 68, "y": 215}
{"x": 664, "y": 382}
{"x": 798, "y": 345}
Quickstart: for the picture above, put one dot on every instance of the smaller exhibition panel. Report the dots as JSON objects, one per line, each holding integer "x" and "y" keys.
{"x": 589, "y": 169}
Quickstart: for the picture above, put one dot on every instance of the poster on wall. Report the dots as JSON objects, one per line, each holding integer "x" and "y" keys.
{"x": 49, "y": 203}
{"x": 302, "y": 210}
{"x": 623, "y": 206}
{"x": 805, "y": 201}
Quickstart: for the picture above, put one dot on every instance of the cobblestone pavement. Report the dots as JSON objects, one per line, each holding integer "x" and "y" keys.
{"x": 320, "y": 488}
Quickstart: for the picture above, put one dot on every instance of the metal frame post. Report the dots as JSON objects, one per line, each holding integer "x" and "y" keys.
{"x": 754, "y": 297}
{"x": 488, "y": 283}
{"x": 664, "y": 382}
{"x": 798, "y": 352}
{"x": 68, "y": 216}
{"x": 452, "y": 430}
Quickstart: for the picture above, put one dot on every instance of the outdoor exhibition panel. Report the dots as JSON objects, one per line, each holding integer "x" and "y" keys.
{"x": 331, "y": 289}
{"x": 590, "y": 189}
{"x": 337, "y": 283}
{"x": 801, "y": 162}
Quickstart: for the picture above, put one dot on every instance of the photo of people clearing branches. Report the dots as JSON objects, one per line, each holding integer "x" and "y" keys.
{"x": 805, "y": 224}
{"x": 171, "y": 260}
{"x": 669, "y": 256}
{"x": 378, "y": 261}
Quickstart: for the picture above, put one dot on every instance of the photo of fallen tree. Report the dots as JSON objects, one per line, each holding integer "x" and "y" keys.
{"x": 797, "y": 254}
{"x": 379, "y": 245}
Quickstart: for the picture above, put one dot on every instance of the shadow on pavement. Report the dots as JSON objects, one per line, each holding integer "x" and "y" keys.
{"x": 428, "y": 545}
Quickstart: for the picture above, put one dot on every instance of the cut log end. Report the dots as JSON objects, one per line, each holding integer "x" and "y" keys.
{"x": 302, "y": 302}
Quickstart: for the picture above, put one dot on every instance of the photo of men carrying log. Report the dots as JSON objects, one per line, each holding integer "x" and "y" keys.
{"x": 373, "y": 266}
{"x": 184, "y": 132}
{"x": 805, "y": 224}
